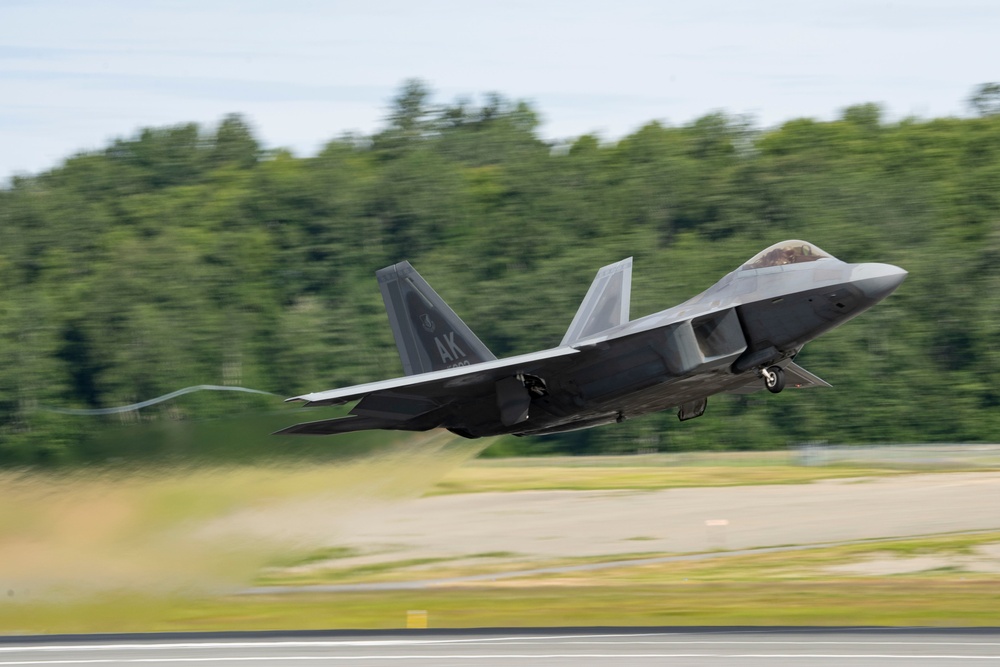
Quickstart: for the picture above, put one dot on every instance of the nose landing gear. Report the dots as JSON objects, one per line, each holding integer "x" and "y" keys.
{"x": 774, "y": 378}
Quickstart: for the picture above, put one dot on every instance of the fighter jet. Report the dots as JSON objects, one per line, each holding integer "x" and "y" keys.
{"x": 739, "y": 336}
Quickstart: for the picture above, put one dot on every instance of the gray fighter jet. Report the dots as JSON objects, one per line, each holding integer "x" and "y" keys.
{"x": 738, "y": 336}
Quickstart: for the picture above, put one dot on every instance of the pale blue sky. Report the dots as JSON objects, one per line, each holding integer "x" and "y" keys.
{"x": 74, "y": 75}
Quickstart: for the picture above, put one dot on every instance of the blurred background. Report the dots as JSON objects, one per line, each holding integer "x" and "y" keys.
{"x": 190, "y": 254}
{"x": 200, "y": 194}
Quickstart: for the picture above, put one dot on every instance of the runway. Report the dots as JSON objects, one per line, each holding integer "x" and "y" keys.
{"x": 591, "y": 647}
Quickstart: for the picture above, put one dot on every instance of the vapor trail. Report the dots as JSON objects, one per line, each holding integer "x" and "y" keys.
{"x": 154, "y": 401}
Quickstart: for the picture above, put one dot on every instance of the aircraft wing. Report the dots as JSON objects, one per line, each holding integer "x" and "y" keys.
{"x": 418, "y": 402}
{"x": 796, "y": 377}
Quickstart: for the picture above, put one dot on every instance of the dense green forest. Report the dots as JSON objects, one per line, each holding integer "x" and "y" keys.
{"x": 189, "y": 255}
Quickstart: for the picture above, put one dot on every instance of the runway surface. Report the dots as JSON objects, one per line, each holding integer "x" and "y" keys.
{"x": 701, "y": 647}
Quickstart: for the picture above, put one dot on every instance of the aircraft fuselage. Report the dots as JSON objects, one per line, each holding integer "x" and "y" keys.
{"x": 713, "y": 343}
{"x": 738, "y": 336}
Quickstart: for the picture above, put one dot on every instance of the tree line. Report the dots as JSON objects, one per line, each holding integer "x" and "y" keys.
{"x": 189, "y": 255}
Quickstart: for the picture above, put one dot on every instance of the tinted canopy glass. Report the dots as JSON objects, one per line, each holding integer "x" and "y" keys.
{"x": 786, "y": 252}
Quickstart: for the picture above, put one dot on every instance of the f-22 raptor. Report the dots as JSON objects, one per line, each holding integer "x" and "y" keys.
{"x": 739, "y": 336}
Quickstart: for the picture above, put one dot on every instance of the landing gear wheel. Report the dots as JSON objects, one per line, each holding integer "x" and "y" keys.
{"x": 774, "y": 379}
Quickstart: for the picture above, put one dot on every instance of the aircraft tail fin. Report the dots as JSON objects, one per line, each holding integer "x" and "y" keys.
{"x": 606, "y": 304}
{"x": 429, "y": 335}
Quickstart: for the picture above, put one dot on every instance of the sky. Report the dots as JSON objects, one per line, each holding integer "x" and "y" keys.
{"x": 76, "y": 75}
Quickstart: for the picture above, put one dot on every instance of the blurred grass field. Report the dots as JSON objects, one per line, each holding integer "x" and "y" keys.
{"x": 163, "y": 549}
{"x": 618, "y": 474}
{"x": 967, "y": 555}
{"x": 169, "y": 528}
{"x": 771, "y": 589}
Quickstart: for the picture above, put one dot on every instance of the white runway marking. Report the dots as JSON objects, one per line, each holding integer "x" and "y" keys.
{"x": 563, "y": 640}
{"x": 749, "y": 647}
{"x": 514, "y": 656}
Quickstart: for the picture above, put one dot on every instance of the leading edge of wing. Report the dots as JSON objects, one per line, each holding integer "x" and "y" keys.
{"x": 347, "y": 394}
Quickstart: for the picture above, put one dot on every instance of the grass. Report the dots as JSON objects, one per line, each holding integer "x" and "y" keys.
{"x": 426, "y": 568}
{"x": 482, "y": 477}
{"x": 158, "y": 532}
{"x": 170, "y": 527}
{"x": 790, "y": 588}
{"x": 328, "y": 571}
{"x": 804, "y": 565}
{"x": 896, "y": 602}
{"x": 323, "y": 555}
{"x": 657, "y": 471}
{"x": 368, "y": 572}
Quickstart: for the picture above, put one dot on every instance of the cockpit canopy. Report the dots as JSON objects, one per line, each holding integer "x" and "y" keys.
{"x": 786, "y": 252}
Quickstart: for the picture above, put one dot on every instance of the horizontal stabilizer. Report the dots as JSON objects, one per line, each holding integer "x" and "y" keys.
{"x": 338, "y": 425}
{"x": 606, "y": 305}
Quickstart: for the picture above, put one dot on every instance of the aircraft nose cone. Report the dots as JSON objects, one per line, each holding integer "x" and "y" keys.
{"x": 877, "y": 281}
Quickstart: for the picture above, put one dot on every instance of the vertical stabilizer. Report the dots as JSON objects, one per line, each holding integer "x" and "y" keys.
{"x": 606, "y": 304}
{"x": 429, "y": 335}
